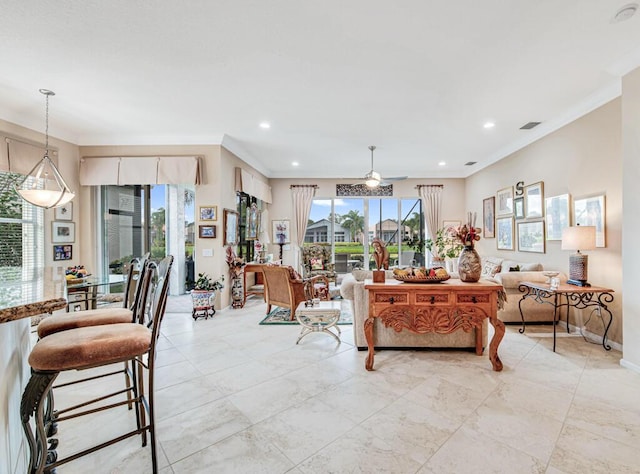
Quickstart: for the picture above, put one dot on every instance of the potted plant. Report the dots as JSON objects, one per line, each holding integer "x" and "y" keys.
{"x": 445, "y": 245}
{"x": 203, "y": 295}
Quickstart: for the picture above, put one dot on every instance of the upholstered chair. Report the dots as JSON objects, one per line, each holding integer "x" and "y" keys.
{"x": 317, "y": 260}
{"x": 286, "y": 289}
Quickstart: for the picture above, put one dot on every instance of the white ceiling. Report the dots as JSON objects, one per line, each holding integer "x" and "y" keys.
{"x": 417, "y": 78}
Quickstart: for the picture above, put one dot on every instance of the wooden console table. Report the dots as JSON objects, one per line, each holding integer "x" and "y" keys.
{"x": 578, "y": 297}
{"x": 435, "y": 308}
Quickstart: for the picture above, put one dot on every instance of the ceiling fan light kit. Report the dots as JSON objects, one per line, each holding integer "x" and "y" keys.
{"x": 373, "y": 179}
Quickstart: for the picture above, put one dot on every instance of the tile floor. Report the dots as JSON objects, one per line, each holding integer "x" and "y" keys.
{"x": 236, "y": 397}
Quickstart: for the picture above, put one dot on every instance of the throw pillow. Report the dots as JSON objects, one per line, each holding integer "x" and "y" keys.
{"x": 490, "y": 266}
{"x": 293, "y": 274}
{"x": 316, "y": 263}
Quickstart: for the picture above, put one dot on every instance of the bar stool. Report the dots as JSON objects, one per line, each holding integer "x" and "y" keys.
{"x": 99, "y": 316}
{"x": 90, "y": 347}
{"x": 132, "y": 305}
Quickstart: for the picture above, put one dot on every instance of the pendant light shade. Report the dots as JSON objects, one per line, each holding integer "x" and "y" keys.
{"x": 47, "y": 187}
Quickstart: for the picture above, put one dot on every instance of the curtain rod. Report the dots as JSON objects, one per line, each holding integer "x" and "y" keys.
{"x": 424, "y": 185}
{"x": 315, "y": 186}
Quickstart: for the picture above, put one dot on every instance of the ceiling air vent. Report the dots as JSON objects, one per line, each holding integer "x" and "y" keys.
{"x": 470, "y": 163}
{"x": 530, "y": 125}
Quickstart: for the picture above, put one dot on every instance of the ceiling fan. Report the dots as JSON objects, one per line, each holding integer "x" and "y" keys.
{"x": 373, "y": 179}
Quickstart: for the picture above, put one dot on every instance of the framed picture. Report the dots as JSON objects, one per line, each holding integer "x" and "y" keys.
{"x": 591, "y": 211}
{"x": 448, "y": 224}
{"x": 518, "y": 208}
{"x": 280, "y": 232}
{"x": 504, "y": 229}
{"x": 504, "y": 202}
{"x": 557, "y": 215}
{"x": 208, "y": 213}
{"x": 531, "y": 236}
{"x": 207, "y": 231}
{"x": 488, "y": 217}
{"x": 230, "y": 227}
{"x": 64, "y": 213}
{"x": 253, "y": 222}
{"x": 62, "y": 252}
{"x": 534, "y": 197}
{"x": 63, "y": 232}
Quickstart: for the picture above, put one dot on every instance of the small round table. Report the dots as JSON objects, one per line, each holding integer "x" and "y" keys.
{"x": 320, "y": 317}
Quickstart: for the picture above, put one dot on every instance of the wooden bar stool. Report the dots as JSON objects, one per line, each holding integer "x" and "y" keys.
{"x": 89, "y": 347}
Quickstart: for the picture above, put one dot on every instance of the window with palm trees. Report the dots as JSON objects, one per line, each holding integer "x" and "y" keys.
{"x": 349, "y": 225}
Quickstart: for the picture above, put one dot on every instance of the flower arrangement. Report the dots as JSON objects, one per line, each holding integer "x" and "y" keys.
{"x": 206, "y": 283}
{"x": 235, "y": 263}
{"x": 468, "y": 233}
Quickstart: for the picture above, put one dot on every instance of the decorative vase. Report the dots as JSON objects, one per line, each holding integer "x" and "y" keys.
{"x": 469, "y": 265}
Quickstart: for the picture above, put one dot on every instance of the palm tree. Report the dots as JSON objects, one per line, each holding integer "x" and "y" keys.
{"x": 354, "y": 222}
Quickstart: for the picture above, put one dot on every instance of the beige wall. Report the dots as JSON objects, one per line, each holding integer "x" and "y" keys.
{"x": 282, "y": 207}
{"x": 631, "y": 226}
{"x": 583, "y": 158}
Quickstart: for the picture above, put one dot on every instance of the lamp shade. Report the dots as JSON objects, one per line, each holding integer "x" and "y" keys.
{"x": 580, "y": 237}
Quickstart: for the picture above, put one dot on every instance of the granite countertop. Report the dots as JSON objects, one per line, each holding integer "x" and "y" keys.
{"x": 30, "y": 299}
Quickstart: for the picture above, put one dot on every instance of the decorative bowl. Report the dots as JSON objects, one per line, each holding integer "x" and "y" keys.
{"x": 414, "y": 279}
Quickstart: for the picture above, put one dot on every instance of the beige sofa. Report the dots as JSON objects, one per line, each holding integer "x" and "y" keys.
{"x": 510, "y": 274}
{"x": 352, "y": 288}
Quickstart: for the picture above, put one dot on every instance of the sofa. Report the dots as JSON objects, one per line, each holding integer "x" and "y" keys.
{"x": 510, "y": 274}
{"x": 352, "y": 289}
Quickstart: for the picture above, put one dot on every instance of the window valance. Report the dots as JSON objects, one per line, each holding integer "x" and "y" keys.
{"x": 95, "y": 171}
{"x": 249, "y": 184}
{"x": 20, "y": 157}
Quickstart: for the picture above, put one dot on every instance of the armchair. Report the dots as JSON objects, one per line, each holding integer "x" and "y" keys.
{"x": 284, "y": 288}
{"x": 316, "y": 260}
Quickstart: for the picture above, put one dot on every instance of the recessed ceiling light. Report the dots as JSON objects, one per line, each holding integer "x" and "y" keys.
{"x": 442, "y": 163}
{"x": 625, "y": 13}
{"x": 489, "y": 125}
{"x": 265, "y": 125}
{"x": 295, "y": 163}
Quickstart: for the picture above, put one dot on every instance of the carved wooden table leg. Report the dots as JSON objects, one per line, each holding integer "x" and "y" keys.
{"x": 498, "y": 327}
{"x": 368, "y": 333}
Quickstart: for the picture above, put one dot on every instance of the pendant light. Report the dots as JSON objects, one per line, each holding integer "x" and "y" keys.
{"x": 55, "y": 191}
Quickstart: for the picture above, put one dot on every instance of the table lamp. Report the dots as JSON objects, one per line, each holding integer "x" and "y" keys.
{"x": 578, "y": 238}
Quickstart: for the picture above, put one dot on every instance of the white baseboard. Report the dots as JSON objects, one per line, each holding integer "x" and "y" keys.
{"x": 594, "y": 337}
{"x": 630, "y": 365}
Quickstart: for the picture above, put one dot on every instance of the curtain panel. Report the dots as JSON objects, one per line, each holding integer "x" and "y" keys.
{"x": 431, "y": 196}
{"x": 21, "y": 157}
{"x": 302, "y": 196}
{"x": 249, "y": 184}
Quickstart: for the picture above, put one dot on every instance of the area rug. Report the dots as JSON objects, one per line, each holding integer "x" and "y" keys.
{"x": 283, "y": 315}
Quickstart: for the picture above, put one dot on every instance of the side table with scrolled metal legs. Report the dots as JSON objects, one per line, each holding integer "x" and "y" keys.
{"x": 595, "y": 298}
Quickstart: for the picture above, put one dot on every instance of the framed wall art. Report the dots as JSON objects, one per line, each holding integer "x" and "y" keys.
{"x": 504, "y": 202}
{"x": 62, "y": 252}
{"x": 518, "y": 208}
{"x": 534, "y": 198}
{"x": 207, "y": 231}
{"x": 591, "y": 211}
{"x": 208, "y": 213}
{"x": 64, "y": 213}
{"x": 504, "y": 230}
{"x": 531, "y": 236}
{"x": 230, "y": 227}
{"x": 557, "y": 215}
{"x": 451, "y": 224}
{"x": 488, "y": 217}
{"x": 280, "y": 231}
{"x": 63, "y": 232}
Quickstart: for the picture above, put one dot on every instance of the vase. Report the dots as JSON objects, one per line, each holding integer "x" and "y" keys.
{"x": 469, "y": 265}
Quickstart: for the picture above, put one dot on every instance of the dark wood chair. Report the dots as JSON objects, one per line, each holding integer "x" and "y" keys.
{"x": 284, "y": 288}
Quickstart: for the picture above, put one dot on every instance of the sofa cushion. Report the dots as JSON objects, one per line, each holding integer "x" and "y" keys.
{"x": 524, "y": 266}
{"x": 490, "y": 266}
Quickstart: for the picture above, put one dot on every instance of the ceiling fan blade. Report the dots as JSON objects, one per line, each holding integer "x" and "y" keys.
{"x": 386, "y": 181}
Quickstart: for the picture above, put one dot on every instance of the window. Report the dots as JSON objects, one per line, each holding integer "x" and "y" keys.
{"x": 21, "y": 246}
